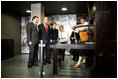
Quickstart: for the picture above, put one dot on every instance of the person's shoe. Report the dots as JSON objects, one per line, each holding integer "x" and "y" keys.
{"x": 49, "y": 62}
{"x": 36, "y": 64}
{"x": 82, "y": 62}
{"x": 29, "y": 66}
{"x": 44, "y": 63}
{"x": 76, "y": 66}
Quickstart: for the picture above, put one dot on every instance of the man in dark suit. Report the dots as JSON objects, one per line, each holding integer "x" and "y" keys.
{"x": 32, "y": 39}
{"x": 44, "y": 34}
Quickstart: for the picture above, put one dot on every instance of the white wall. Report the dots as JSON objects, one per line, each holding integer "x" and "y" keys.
{"x": 24, "y": 46}
{"x": 66, "y": 20}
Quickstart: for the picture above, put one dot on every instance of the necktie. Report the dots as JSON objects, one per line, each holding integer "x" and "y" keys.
{"x": 46, "y": 28}
{"x": 36, "y": 27}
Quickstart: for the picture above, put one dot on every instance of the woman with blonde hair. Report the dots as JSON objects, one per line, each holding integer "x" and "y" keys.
{"x": 62, "y": 39}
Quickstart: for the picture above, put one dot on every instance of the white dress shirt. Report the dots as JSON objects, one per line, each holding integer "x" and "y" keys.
{"x": 81, "y": 28}
{"x": 63, "y": 36}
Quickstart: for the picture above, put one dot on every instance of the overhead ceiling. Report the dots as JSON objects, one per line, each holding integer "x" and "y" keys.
{"x": 51, "y": 7}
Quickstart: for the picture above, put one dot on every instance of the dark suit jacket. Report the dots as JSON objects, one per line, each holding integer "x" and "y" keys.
{"x": 77, "y": 36}
{"x": 43, "y": 35}
{"x": 54, "y": 34}
{"x": 32, "y": 33}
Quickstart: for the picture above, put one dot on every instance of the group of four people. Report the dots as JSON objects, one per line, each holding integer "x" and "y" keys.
{"x": 51, "y": 35}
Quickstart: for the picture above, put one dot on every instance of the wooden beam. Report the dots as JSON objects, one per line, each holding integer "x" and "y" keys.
{"x": 73, "y": 46}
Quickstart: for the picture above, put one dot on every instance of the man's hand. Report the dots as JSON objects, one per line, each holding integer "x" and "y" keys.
{"x": 30, "y": 43}
{"x": 50, "y": 41}
{"x": 72, "y": 38}
{"x": 73, "y": 28}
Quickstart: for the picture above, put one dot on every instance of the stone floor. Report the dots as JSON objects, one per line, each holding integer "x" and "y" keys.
{"x": 17, "y": 68}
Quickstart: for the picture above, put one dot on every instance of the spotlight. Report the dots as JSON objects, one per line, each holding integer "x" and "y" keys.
{"x": 64, "y": 9}
{"x": 28, "y": 11}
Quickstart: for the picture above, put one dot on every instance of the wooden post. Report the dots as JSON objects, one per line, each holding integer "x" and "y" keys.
{"x": 55, "y": 69}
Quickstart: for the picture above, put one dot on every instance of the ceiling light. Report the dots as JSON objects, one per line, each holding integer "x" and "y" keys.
{"x": 28, "y": 11}
{"x": 64, "y": 9}
{"x": 94, "y": 8}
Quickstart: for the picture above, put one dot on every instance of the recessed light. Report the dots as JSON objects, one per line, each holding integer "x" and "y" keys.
{"x": 64, "y": 9}
{"x": 28, "y": 11}
{"x": 94, "y": 8}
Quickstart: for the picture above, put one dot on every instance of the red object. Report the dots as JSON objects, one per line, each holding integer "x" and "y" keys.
{"x": 46, "y": 28}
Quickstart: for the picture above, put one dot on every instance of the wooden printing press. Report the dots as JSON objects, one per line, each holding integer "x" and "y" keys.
{"x": 86, "y": 46}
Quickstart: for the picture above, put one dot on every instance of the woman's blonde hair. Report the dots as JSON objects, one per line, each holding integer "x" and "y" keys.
{"x": 61, "y": 26}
